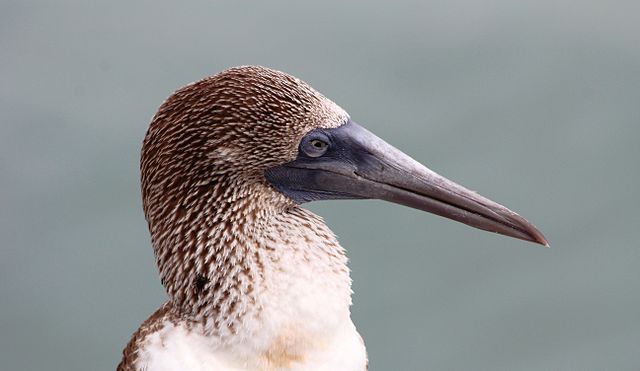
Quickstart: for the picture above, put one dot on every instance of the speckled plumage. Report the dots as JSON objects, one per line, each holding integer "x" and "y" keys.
{"x": 254, "y": 280}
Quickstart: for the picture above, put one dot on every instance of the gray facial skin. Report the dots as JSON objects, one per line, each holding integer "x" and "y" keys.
{"x": 356, "y": 164}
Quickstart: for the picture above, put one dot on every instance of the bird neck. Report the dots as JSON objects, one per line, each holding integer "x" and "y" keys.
{"x": 252, "y": 260}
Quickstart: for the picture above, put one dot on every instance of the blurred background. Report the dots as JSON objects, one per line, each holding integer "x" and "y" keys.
{"x": 535, "y": 104}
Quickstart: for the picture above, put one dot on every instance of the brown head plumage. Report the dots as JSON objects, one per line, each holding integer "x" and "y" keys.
{"x": 202, "y": 166}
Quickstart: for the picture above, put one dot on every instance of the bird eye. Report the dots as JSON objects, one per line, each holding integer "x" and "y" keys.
{"x": 314, "y": 147}
{"x": 319, "y": 144}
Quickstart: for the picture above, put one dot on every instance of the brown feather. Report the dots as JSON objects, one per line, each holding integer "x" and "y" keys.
{"x": 204, "y": 195}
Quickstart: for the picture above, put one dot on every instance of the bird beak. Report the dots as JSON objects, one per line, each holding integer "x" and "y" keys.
{"x": 359, "y": 165}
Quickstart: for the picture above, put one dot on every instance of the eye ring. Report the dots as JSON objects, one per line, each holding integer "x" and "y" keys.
{"x": 314, "y": 146}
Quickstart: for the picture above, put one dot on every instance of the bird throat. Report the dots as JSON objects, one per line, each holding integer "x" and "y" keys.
{"x": 245, "y": 257}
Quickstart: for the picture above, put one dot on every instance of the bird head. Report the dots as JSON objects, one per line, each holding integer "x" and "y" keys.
{"x": 254, "y": 133}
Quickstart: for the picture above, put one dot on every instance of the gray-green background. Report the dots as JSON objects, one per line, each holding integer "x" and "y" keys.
{"x": 535, "y": 104}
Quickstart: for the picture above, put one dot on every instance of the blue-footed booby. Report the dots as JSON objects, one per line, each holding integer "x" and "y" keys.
{"x": 255, "y": 282}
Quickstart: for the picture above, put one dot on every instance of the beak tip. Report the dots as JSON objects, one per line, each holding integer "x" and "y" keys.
{"x": 538, "y": 238}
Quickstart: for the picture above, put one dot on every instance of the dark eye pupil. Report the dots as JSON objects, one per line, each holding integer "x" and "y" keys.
{"x": 318, "y": 144}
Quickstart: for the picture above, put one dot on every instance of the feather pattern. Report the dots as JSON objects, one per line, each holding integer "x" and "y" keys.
{"x": 254, "y": 281}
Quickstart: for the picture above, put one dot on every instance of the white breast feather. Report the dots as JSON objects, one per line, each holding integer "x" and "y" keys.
{"x": 304, "y": 312}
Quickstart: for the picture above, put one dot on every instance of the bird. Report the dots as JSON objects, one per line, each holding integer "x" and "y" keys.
{"x": 254, "y": 280}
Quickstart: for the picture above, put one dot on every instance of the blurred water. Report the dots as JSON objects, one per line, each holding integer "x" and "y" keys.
{"x": 534, "y": 104}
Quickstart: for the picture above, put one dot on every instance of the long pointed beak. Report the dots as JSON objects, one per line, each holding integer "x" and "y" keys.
{"x": 361, "y": 165}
